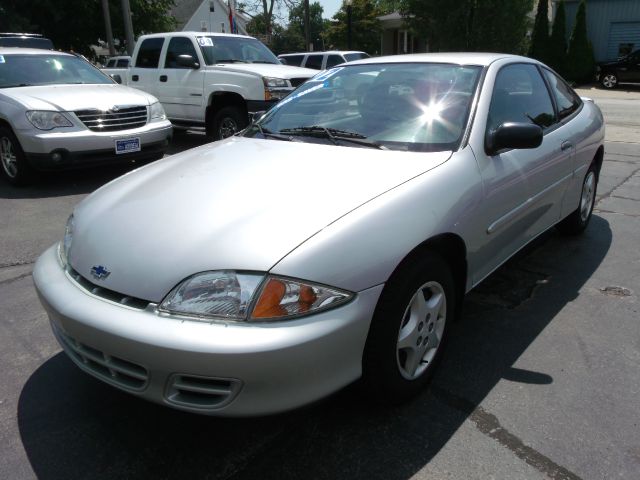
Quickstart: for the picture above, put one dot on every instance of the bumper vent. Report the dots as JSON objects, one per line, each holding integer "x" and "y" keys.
{"x": 202, "y": 392}
{"x": 105, "y": 293}
{"x": 114, "y": 370}
{"x": 296, "y": 82}
{"x": 110, "y": 121}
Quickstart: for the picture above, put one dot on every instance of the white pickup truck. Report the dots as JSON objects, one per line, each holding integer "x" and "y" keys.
{"x": 210, "y": 80}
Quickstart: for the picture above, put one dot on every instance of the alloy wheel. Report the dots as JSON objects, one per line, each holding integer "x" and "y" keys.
{"x": 609, "y": 80}
{"x": 587, "y": 198}
{"x": 228, "y": 127}
{"x": 8, "y": 157}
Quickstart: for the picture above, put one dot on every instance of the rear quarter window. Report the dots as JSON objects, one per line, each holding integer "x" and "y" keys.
{"x": 149, "y": 53}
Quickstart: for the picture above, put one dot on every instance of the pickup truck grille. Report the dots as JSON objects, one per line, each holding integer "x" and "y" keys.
{"x": 109, "y": 121}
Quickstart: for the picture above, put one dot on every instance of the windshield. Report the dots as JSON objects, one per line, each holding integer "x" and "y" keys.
{"x": 18, "y": 70}
{"x": 402, "y": 106}
{"x": 234, "y": 49}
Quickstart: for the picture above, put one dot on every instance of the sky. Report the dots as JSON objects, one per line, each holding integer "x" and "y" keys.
{"x": 330, "y": 7}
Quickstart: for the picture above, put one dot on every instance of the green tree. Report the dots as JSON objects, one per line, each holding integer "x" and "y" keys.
{"x": 295, "y": 28}
{"x": 470, "y": 25}
{"x": 540, "y": 44}
{"x": 580, "y": 61}
{"x": 365, "y": 27}
{"x": 76, "y": 24}
{"x": 558, "y": 42}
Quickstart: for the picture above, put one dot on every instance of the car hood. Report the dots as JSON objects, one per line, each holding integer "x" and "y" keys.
{"x": 270, "y": 70}
{"x": 68, "y": 98}
{"x": 240, "y": 204}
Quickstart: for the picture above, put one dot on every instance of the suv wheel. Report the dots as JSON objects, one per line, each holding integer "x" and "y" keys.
{"x": 609, "y": 80}
{"x": 14, "y": 164}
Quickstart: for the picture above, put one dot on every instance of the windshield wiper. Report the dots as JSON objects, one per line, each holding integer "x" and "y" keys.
{"x": 334, "y": 135}
{"x": 230, "y": 60}
{"x": 266, "y": 133}
{"x": 264, "y": 61}
{"x": 17, "y": 85}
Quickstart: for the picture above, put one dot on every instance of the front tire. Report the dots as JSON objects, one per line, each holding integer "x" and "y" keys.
{"x": 13, "y": 161}
{"x": 227, "y": 122}
{"x": 609, "y": 80}
{"x": 578, "y": 220}
{"x": 409, "y": 329}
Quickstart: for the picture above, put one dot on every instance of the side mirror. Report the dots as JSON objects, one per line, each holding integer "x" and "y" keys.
{"x": 117, "y": 78}
{"x": 187, "y": 61}
{"x": 513, "y": 135}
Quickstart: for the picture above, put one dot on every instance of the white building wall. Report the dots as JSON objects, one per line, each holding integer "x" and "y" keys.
{"x": 217, "y": 21}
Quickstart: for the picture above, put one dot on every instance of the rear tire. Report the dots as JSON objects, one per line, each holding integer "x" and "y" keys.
{"x": 577, "y": 221}
{"x": 13, "y": 162}
{"x": 409, "y": 329}
{"x": 227, "y": 122}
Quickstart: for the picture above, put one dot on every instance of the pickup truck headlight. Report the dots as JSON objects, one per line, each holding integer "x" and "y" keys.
{"x": 231, "y": 295}
{"x": 156, "y": 112}
{"x": 276, "y": 88}
{"x": 46, "y": 120}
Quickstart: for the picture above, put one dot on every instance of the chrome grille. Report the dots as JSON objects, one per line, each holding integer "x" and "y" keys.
{"x": 133, "y": 302}
{"x": 202, "y": 392}
{"x": 109, "y": 121}
{"x": 117, "y": 371}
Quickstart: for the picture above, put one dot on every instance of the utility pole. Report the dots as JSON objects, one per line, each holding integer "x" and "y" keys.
{"x": 107, "y": 26}
{"x": 306, "y": 25}
{"x": 128, "y": 26}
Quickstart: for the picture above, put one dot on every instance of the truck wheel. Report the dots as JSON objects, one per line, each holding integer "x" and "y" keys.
{"x": 228, "y": 121}
{"x": 15, "y": 167}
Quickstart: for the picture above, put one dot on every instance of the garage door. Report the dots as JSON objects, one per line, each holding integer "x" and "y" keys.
{"x": 624, "y": 37}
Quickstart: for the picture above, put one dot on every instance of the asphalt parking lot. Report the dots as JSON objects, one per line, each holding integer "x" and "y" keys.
{"x": 541, "y": 378}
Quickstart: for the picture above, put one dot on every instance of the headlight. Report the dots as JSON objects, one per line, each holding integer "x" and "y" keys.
{"x": 248, "y": 296}
{"x": 156, "y": 112}
{"x": 275, "y": 82}
{"x": 65, "y": 245}
{"x": 276, "y": 88}
{"x": 45, "y": 120}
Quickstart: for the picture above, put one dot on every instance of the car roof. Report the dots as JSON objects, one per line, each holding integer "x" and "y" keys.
{"x": 195, "y": 34}
{"x": 460, "y": 58}
{"x": 31, "y": 51}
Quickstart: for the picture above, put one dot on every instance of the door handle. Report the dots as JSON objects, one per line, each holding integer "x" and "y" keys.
{"x": 566, "y": 145}
{"x": 134, "y": 78}
{"x": 163, "y": 78}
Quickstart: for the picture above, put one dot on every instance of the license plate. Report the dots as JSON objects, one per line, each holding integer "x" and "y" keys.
{"x": 128, "y": 145}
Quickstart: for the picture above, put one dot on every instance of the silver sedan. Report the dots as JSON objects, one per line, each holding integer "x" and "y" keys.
{"x": 331, "y": 241}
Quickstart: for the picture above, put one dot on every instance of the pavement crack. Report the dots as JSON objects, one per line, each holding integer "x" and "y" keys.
{"x": 17, "y": 264}
{"x": 14, "y": 279}
{"x": 490, "y": 426}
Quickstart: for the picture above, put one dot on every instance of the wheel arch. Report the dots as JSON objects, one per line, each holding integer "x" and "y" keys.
{"x": 453, "y": 250}
{"x": 598, "y": 159}
{"x": 218, "y": 100}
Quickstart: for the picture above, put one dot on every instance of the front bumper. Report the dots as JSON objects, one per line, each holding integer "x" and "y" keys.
{"x": 220, "y": 368}
{"x": 83, "y": 147}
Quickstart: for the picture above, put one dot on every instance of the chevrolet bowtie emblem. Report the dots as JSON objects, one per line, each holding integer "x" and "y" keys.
{"x": 100, "y": 272}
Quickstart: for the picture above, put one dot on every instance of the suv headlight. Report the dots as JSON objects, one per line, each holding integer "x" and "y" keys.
{"x": 276, "y": 88}
{"x": 239, "y": 296}
{"x": 46, "y": 120}
{"x": 156, "y": 112}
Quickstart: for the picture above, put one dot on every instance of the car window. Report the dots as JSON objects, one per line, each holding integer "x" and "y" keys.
{"x": 314, "y": 61}
{"x": 294, "y": 60}
{"x": 566, "y": 99}
{"x": 333, "y": 60}
{"x": 220, "y": 49}
{"x": 355, "y": 56}
{"x": 520, "y": 95}
{"x": 179, "y": 46}
{"x": 123, "y": 63}
{"x": 149, "y": 53}
{"x": 111, "y": 63}
{"x": 402, "y": 106}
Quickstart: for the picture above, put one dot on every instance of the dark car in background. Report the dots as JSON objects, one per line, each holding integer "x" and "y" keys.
{"x": 25, "y": 40}
{"x": 623, "y": 70}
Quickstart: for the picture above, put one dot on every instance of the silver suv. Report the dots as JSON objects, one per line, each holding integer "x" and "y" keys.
{"x": 321, "y": 60}
{"x": 58, "y": 111}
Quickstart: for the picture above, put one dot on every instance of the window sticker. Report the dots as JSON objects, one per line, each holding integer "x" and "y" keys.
{"x": 1, "y": 59}
{"x": 205, "y": 42}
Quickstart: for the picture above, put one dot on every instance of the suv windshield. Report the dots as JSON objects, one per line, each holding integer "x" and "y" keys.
{"x": 234, "y": 49}
{"x": 18, "y": 70}
{"x": 403, "y": 106}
